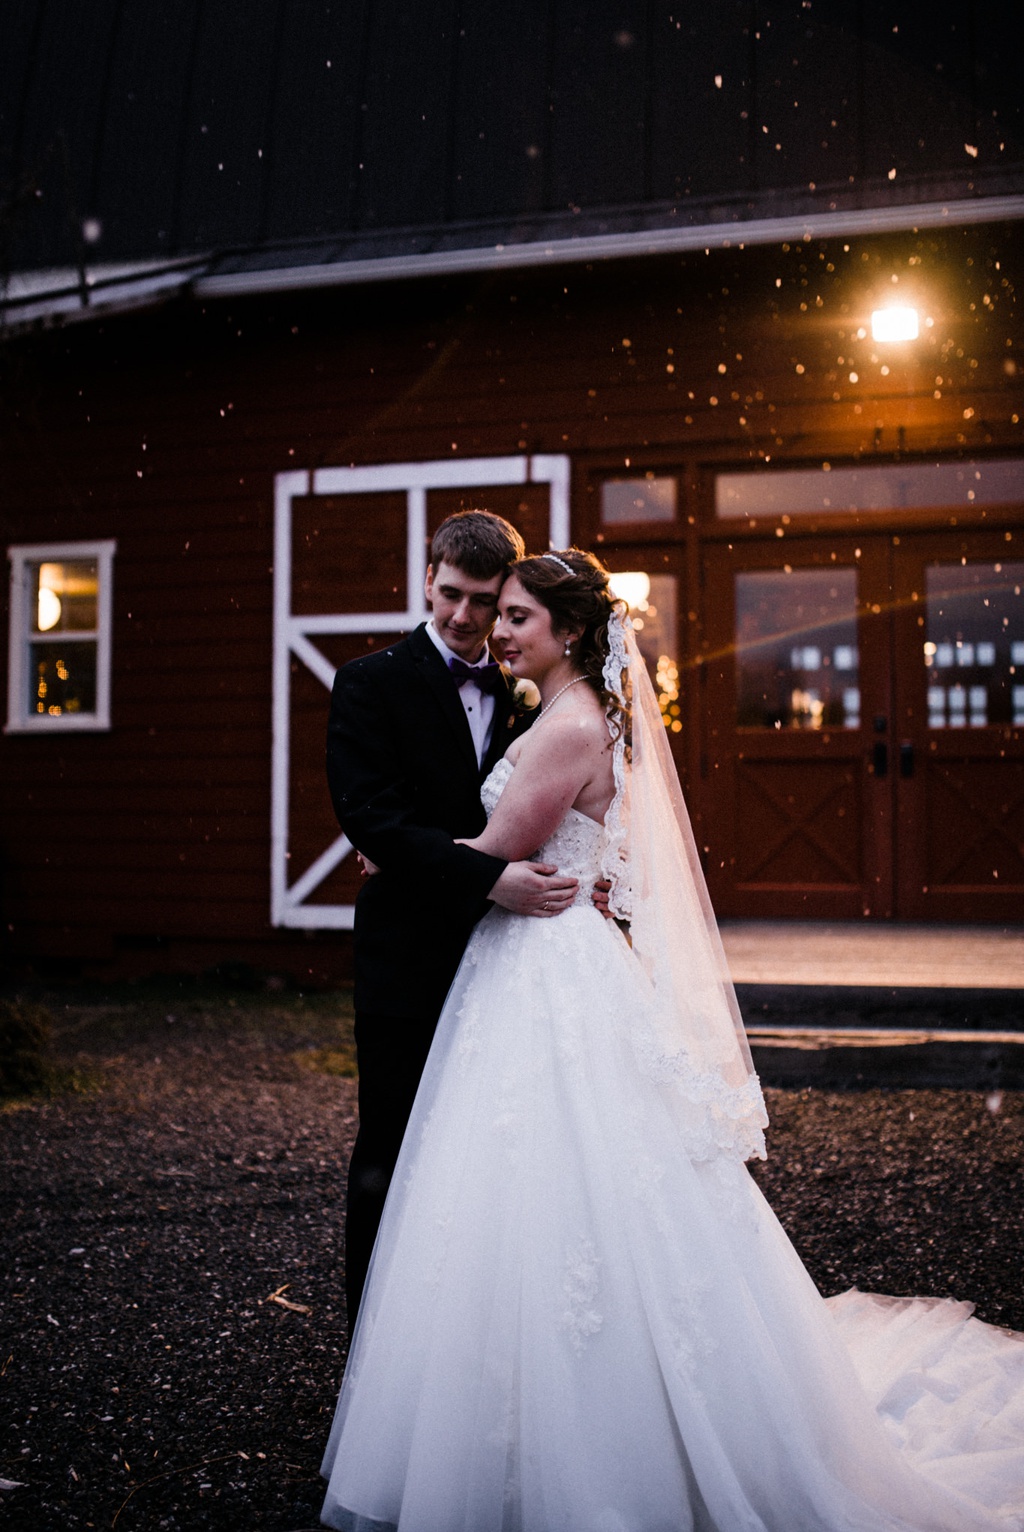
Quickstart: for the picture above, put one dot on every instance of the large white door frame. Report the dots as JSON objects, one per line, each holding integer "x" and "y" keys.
{"x": 296, "y": 635}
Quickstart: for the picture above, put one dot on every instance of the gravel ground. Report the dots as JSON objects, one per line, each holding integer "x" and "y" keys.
{"x": 149, "y": 1376}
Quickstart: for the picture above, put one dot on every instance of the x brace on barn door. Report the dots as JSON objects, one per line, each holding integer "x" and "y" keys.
{"x": 295, "y": 635}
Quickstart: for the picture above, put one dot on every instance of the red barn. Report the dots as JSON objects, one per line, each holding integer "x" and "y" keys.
{"x": 730, "y": 298}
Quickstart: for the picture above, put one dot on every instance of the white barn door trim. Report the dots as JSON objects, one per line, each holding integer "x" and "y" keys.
{"x": 294, "y": 634}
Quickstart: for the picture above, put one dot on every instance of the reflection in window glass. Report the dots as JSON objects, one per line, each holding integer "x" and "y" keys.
{"x": 646, "y": 499}
{"x": 653, "y": 602}
{"x": 62, "y": 679}
{"x": 974, "y": 645}
{"x": 797, "y": 665}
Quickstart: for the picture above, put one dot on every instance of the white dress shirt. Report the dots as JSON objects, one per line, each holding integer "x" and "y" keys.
{"x": 478, "y": 705}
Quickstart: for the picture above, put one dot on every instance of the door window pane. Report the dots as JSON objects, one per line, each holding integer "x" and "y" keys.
{"x": 974, "y": 644}
{"x": 797, "y": 665}
{"x": 653, "y": 603}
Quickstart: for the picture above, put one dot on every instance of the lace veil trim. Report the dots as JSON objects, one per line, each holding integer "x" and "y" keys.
{"x": 614, "y": 861}
{"x": 691, "y": 1034}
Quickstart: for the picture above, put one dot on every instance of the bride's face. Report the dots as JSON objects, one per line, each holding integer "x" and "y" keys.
{"x": 525, "y": 638}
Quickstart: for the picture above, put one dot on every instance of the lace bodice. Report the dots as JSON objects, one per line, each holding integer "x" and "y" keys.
{"x": 576, "y": 846}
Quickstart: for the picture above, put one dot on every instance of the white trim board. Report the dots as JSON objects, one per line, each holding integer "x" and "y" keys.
{"x": 294, "y": 633}
{"x": 732, "y": 235}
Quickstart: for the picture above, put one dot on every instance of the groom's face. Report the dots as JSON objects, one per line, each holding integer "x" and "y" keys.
{"x": 464, "y": 609}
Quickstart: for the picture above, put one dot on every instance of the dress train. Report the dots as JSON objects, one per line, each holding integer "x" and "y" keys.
{"x": 583, "y": 1317}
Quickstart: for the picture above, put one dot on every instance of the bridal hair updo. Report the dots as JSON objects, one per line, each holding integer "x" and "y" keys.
{"x": 574, "y": 588}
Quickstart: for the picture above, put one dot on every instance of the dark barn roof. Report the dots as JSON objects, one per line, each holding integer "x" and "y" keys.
{"x": 268, "y": 136}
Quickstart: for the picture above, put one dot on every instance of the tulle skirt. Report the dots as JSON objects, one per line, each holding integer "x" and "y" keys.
{"x": 573, "y": 1324}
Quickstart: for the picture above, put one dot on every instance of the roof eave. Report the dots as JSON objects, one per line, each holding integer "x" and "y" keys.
{"x": 618, "y": 246}
{"x": 31, "y": 301}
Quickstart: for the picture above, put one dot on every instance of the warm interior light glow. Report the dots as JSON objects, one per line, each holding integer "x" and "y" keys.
{"x": 896, "y": 323}
{"x": 631, "y": 586}
{"x": 47, "y": 609}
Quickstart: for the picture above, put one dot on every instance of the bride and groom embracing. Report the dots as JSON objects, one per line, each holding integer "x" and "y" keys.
{"x": 580, "y": 1315}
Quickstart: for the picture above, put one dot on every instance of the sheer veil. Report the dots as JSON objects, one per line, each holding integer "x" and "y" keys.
{"x": 690, "y": 1034}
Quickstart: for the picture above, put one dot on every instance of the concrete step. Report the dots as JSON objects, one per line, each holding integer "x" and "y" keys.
{"x": 882, "y": 1005}
{"x": 844, "y": 1037}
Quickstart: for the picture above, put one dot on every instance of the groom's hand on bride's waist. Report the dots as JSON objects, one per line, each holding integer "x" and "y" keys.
{"x": 533, "y": 888}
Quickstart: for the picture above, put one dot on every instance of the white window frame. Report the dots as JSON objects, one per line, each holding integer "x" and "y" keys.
{"x": 22, "y": 555}
{"x": 295, "y": 634}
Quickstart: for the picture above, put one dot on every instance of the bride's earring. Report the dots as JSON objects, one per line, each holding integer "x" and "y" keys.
{"x": 568, "y": 648}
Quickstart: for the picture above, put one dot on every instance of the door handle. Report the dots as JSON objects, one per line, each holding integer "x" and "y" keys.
{"x": 880, "y": 758}
{"x": 906, "y": 758}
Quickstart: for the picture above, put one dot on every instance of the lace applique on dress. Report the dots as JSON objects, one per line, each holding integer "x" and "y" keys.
{"x": 722, "y": 1116}
{"x": 580, "y": 1285}
{"x": 575, "y": 848}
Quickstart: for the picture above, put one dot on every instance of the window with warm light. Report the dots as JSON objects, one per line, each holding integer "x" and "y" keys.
{"x": 60, "y": 619}
{"x": 653, "y": 601}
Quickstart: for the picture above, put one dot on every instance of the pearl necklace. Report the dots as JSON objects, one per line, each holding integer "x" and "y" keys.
{"x": 549, "y": 705}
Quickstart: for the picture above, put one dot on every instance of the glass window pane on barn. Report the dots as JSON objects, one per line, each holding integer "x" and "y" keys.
{"x": 65, "y": 596}
{"x": 625, "y": 501}
{"x": 61, "y": 679}
{"x": 653, "y": 606}
{"x": 797, "y": 664}
{"x": 60, "y": 637}
{"x": 770, "y": 493}
{"x": 974, "y": 644}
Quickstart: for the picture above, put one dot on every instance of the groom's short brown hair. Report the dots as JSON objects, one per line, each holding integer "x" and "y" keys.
{"x": 479, "y": 543}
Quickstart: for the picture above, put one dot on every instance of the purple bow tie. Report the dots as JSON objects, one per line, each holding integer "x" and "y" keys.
{"x": 488, "y": 677}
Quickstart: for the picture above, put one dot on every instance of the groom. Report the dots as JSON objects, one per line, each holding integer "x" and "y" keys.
{"x": 413, "y": 731}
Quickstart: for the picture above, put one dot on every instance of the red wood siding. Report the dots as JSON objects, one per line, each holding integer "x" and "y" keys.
{"x": 165, "y": 432}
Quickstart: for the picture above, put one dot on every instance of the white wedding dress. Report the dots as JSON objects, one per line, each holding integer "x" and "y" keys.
{"x": 582, "y": 1316}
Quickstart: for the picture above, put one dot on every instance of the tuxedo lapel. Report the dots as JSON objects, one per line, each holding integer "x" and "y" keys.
{"x": 504, "y": 729}
{"x": 436, "y": 676}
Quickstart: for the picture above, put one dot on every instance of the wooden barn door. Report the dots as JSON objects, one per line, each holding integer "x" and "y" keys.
{"x": 796, "y": 756}
{"x": 959, "y": 675}
{"x": 350, "y": 556}
{"x": 863, "y": 746}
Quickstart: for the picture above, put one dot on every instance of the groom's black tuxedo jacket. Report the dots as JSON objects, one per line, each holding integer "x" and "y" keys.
{"x": 404, "y": 780}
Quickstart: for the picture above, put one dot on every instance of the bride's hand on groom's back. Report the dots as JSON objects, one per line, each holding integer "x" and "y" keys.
{"x": 533, "y": 888}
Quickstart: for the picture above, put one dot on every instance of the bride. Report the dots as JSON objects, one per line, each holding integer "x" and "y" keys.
{"x": 581, "y": 1315}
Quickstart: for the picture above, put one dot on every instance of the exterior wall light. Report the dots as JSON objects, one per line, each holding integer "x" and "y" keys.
{"x": 49, "y": 608}
{"x": 894, "y": 324}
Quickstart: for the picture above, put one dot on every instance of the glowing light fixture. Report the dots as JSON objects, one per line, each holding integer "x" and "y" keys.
{"x": 894, "y": 324}
{"x": 48, "y": 609}
{"x": 632, "y": 586}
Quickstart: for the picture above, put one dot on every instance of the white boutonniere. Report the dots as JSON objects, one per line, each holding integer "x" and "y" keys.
{"x": 525, "y": 696}
{"x": 525, "y": 701}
